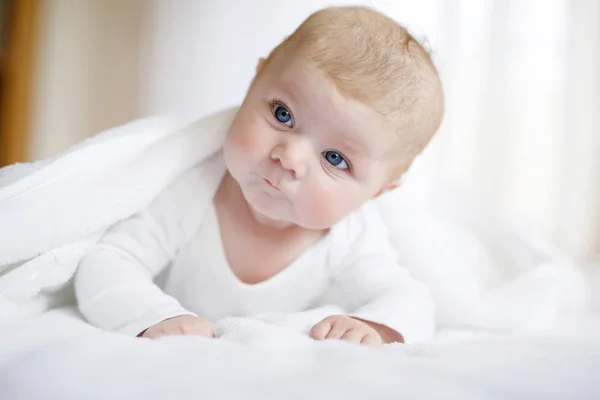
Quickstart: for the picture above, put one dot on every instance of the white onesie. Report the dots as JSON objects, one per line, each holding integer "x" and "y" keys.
{"x": 117, "y": 289}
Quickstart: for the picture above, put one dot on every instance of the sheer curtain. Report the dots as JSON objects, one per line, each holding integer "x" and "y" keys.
{"x": 522, "y": 128}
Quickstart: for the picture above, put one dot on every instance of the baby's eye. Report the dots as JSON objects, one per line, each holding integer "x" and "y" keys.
{"x": 282, "y": 115}
{"x": 334, "y": 158}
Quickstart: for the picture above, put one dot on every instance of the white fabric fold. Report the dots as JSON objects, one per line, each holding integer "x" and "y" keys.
{"x": 53, "y": 211}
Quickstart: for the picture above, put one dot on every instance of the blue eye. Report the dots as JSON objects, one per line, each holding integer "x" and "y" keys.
{"x": 282, "y": 115}
{"x": 334, "y": 158}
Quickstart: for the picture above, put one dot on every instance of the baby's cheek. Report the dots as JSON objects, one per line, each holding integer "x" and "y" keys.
{"x": 242, "y": 152}
{"x": 243, "y": 142}
{"x": 246, "y": 131}
{"x": 326, "y": 209}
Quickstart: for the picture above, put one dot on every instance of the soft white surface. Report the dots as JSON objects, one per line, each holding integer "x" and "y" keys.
{"x": 485, "y": 277}
{"x": 56, "y": 356}
{"x": 483, "y": 272}
{"x": 54, "y": 210}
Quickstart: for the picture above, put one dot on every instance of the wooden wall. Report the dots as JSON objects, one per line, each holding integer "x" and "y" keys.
{"x": 16, "y": 72}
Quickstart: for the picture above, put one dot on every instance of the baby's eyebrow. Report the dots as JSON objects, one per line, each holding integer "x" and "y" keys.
{"x": 290, "y": 90}
{"x": 289, "y": 96}
{"x": 349, "y": 142}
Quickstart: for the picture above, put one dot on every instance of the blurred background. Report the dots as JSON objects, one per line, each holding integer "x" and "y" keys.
{"x": 522, "y": 81}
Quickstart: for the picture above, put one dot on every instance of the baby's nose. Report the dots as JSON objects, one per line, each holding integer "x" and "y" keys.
{"x": 291, "y": 159}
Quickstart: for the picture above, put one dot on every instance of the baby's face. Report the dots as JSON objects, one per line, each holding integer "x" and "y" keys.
{"x": 302, "y": 152}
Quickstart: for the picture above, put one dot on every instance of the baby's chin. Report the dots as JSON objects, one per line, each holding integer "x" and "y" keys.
{"x": 304, "y": 221}
{"x": 284, "y": 218}
{"x": 281, "y": 212}
{"x": 266, "y": 216}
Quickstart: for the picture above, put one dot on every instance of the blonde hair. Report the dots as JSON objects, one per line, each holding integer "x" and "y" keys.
{"x": 374, "y": 60}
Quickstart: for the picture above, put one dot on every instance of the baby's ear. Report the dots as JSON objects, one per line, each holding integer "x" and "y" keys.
{"x": 261, "y": 62}
{"x": 390, "y": 186}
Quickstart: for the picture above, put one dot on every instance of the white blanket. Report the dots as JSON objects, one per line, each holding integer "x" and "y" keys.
{"x": 57, "y": 356}
{"x": 482, "y": 274}
{"x": 53, "y": 211}
{"x": 490, "y": 282}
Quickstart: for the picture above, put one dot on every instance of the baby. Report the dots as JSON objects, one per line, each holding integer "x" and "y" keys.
{"x": 332, "y": 119}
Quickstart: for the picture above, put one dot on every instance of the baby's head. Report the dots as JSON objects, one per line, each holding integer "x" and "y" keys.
{"x": 335, "y": 115}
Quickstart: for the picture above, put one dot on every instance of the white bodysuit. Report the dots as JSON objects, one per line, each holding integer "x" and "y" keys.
{"x": 117, "y": 286}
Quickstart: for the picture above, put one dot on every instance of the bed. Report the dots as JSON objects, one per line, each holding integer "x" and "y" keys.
{"x": 513, "y": 313}
{"x": 58, "y": 356}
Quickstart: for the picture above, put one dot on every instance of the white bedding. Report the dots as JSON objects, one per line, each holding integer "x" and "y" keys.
{"x": 508, "y": 294}
{"x": 57, "y": 356}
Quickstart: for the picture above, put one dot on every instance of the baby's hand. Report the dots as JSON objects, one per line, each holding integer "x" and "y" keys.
{"x": 346, "y": 328}
{"x": 180, "y": 325}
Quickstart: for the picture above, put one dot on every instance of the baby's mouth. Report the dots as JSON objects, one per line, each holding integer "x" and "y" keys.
{"x": 272, "y": 185}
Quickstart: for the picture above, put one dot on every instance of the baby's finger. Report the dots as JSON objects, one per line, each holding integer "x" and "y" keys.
{"x": 355, "y": 335}
{"x": 200, "y": 329}
{"x": 149, "y": 334}
{"x": 208, "y": 332}
{"x": 320, "y": 330}
{"x": 156, "y": 333}
{"x": 338, "y": 330}
{"x": 205, "y": 330}
{"x": 372, "y": 340}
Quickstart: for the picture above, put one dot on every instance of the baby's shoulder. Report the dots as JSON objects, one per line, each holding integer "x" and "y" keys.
{"x": 362, "y": 222}
{"x": 197, "y": 182}
{"x": 180, "y": 208}
{"x": 357, "y": 231}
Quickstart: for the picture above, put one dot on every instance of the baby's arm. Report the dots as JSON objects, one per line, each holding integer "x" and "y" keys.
{"x": 114, "y": 282}
{"x": 383, "y": 297}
